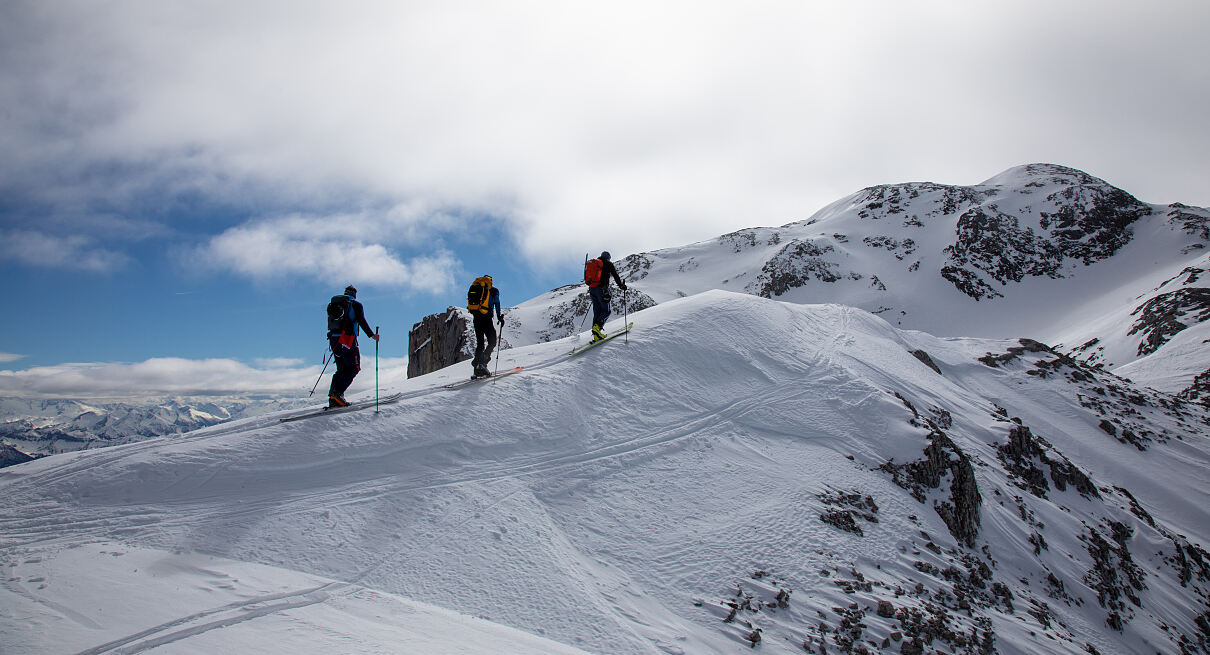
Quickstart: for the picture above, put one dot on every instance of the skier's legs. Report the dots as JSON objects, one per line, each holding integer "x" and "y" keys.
{"x": 485, "y": 340}
{"x": 600, "y": 306}
{"x": 348, "y": 365}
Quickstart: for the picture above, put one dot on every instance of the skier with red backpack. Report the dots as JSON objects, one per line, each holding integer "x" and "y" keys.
{"x": 596, "y": 275}
{"x": 481, "y": 299}
{"x": 345, "y": 315}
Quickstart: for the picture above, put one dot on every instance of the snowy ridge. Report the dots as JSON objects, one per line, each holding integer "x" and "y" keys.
{"x": 1039, "y": 251}
{"x": 742, "y": 471}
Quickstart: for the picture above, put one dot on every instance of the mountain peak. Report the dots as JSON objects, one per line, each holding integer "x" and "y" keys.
{"x": 1032, "y": 175}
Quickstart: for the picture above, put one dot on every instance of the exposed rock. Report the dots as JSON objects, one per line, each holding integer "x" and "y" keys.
{"x": 10, "y": 456}
{"x": 943, "y": 458}
{"x": 1159, "y": 318}
{"x": 792, "y": 267}
{"x": 440, "y": 340}
{"x": 926, "y": 360}
{"x": 1025, "y": 454}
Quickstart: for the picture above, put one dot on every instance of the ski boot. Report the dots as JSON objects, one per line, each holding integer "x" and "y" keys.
{"x": 337, "y": 401}
{"x": 597, "y": 333}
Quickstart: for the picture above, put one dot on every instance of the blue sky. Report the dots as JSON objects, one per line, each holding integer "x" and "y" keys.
{"x": 193, "y": 180}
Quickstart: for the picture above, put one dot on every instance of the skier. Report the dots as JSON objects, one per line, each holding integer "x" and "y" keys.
{"x": 345, "y": 315}
{"x": 599, "y": 292}
{"x": 481, "y": 299}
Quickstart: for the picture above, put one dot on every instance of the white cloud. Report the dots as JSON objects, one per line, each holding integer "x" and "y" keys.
{"x": 171, "y": 375}
{"x": 626, "y": 124}
{"x": 9, "y": 357}
{"x": 74, "y": 252}
{"x": 278, "y": 362}
{"x": 331, "y": 249}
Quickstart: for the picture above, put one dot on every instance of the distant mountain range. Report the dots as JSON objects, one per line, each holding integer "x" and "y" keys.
{"x": 33, "y": 427}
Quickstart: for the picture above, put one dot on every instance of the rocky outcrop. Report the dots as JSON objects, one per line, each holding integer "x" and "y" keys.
{"x": 439, "y": 340}
{"x": 10, "y": 456}
{"x": 943, "y": 460}
{"x": 795, "y": 265}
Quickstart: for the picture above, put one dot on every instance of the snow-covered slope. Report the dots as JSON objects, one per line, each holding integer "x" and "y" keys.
{"x": 737, "y": 468}
{"x": 1039, "y": 251}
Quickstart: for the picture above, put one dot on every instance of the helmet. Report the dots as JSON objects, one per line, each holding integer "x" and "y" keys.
{"x": 605, "y": 255}
{"x": 351, "y": 291}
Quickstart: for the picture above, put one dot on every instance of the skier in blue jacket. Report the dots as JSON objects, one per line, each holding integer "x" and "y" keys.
{"x": 344, "y": 348}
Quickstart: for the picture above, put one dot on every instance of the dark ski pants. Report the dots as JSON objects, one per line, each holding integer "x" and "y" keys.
{"x": 485, "y": 340}
{"x": 348, "y": 365}
{"x": 600, "y": 304}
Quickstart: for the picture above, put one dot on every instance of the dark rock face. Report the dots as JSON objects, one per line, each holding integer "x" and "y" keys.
{"x": 942, "y": 459}
{"x": 1193, "y": 220}
{"x": 634, "y": 267}
{"x": 1026, "y": 455}
{"x": 1090, "y": 222}
{"x": 1199, "y": 391}
{"x": 793, "y": 266}
{"x": 1159, "y": 318}
{"x": 10, "y": 456}
{"x": 440, "y": 340}
{"x": 997, "y": 244}
{"x": 927, "y": 361}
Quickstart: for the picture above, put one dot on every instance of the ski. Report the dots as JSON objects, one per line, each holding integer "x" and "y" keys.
{"x": 352, "y": 407}
{"x": 463, "y": 383}
{"x": 619, "y": 333}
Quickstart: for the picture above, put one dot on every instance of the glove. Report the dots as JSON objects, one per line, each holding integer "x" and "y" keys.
{"x": 623, "y": 285}
{"x": 500, "y": 320}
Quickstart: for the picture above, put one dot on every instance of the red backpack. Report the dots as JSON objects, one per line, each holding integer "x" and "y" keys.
{"x": 592, "y": 272}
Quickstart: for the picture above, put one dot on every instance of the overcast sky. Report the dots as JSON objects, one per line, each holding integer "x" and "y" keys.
{"x": 179, "y": 173}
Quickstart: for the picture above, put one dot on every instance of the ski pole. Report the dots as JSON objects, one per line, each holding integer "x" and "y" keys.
{"x": 499, "y": 340}
{"x": 586, "y": 307}
{"x": 376, "y": 333}
{"x": 321, "y": 375}
{"x": 626, "y": 314}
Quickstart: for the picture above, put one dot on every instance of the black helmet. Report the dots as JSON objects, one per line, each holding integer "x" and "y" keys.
{"x": 605, "y": 255}
{"x": 351, "y": 291}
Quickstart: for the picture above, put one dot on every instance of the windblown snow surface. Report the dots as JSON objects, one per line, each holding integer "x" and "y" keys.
{"x": 737, "y": 473}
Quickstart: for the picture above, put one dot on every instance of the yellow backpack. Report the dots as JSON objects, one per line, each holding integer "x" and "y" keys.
{"x": 479, "y": 294}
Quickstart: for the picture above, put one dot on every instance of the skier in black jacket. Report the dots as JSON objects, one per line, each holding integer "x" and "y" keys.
{"x": 344, "y": 348}
{"x": 600, "y": 296}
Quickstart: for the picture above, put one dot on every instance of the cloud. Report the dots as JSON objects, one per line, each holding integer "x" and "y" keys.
{"x": 171, "y": 375}
{"x": 9, "y": 357}
{"x": 278, "y": 362}
{"x": 331, "y": 249}
{"x": 623, "y": 124}
{"x": 75, "y": 252}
